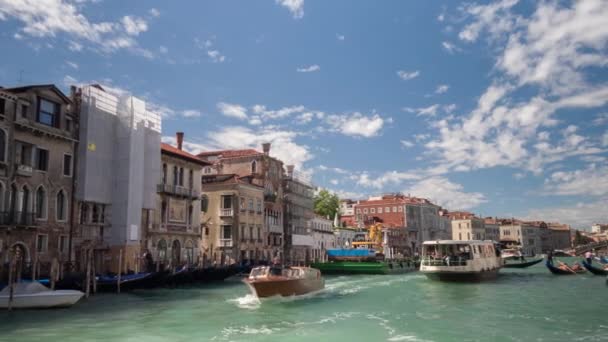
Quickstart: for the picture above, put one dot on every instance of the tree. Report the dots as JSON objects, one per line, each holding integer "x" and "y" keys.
{"x": 326, "y": 204}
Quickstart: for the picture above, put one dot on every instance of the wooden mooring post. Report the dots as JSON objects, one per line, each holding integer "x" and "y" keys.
{"x": 88, "y": 275}
{"x": 94, "y": 273}
{"x": 53, "y": 274}
{"x": 11, "y": 281}
{"x": 119, "y": 271}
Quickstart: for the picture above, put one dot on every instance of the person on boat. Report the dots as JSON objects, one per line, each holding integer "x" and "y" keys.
{"x": 576, "y": 267}
{"x": 275, "y": 268}
{"x": 589, "y": 257}
{"x": 550, "y": 258}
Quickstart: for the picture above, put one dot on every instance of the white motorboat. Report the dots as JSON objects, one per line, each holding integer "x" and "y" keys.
{"x": 33, "y": 295}
{"x": 449, "y": 260}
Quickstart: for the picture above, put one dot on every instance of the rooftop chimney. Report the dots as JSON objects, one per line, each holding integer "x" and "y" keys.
{"x": 180, "y": 139}
{"x": 266, "y": 148}
{"x": 290, "y": 170}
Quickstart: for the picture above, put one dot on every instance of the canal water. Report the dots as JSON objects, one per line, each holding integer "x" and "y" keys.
{"x": 522, "y": 305}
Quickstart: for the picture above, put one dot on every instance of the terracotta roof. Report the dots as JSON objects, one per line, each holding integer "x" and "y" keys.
{"x": 230, "y": 153}
{"x": 461, "y": 215}
{"x": 227, "y": 178}
{"x": 182, "y": 154}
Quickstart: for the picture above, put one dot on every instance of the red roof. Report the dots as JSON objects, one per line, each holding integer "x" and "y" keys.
{"x": 230, "y": 153}
{"x": 181, "y": 153}
{"x": 227, "y": 178}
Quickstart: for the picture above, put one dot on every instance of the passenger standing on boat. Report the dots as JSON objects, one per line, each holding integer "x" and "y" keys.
{"x": 550, "y": 258}
{"x": 589, "y": 257}
{"x": 149, "y": 262}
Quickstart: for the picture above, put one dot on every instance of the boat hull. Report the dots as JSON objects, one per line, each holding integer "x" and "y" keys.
{"x": 47, "y": 299}
{"x": 522, "y": 264}
{"x": 462, "y": 276}
{"x": 284, "y": 288}
{"x": 595, "y": 270}
{"x": 559, "y": 271}
{"x": 350, "y": 267}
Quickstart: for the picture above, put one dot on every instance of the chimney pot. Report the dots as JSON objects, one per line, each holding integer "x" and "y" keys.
{"x": 266, "y": 148}
{"x": 180, "y": 139}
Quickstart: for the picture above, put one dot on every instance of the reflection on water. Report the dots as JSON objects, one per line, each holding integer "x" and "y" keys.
{"x": 525, "y": 305}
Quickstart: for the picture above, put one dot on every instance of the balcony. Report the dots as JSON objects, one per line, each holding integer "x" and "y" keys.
{"x": 24, "y": 170}
{"x": 226, "y": 212}
{"x": 225, "y": 243}
{"x": 18, "y": 218}
{"x": 275, "y": 228}
{"x": 91, "y": 232}
{"x": 270, "y": 198}
{"x": 177, "y": 190}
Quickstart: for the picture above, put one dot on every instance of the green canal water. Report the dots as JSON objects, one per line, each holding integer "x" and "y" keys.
{"x": 522, "y": 305}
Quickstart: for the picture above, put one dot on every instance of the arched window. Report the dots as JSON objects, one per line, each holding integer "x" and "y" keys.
{"x": 189, "y": 252}
{"x": 175, "y": 175}
{"x": 41, "y": 203}
{"x": 12, "y": 201}
{"x": 164, "y": 173}
{"x": 162, "y": 251}
{"x": 204, "y": 203}
{"x": 163, "y": 212}
{"x": 61, "y": 206}
{"x": 254, "y": 166}
{"x": 2, "y": 145}
{"x": 181, "y": 176}
{"x": 190, "y": 212}
{"x": 25, "y": 200}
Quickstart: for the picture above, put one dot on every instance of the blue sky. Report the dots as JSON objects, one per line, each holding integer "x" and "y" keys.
{"x": 496, "y": 107}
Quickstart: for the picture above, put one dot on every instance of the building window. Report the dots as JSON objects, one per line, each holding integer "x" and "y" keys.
{"x": 372, "y": 210}
{"x": 42, "y": 241}
{"x": 365, "y": 210}
{"x": 95, "y": 217}
{"x": 181, "y": 176}
{"x": 259, "y": 204}
{"x": 191, "y": 179}
{"x": 67, "y": 165}
{"x": 164, "y": 180}
{"x": 175, "y": 175}
{"x": 84, "y": 212}
{"x": 24, "y": 109}
{"x": 61, "y": 206}
{"x": 41, "y": 203}
{"x": 227, "y": 232}
{"x": 207, "y": 170}
{"x": 251, "y": 232}
{"x": 394, "y": 209}
{"x": 380, "y": 210}
{"x": 163, "y": 212}
{"x": 48, "y": 113}
{"x": 387, "y": 209}
{"x": 358, "y": 211}
{"x": 68, "y": 125}
{"x": 3, "y": 145}
{"x": 242, "y": 203}
{"x": 204, "y": 203}
{"x": 2, "y": 106}
{"x": 250, "y": 204}
{"x": 63, "y": 243}
{"x": 254, "y": 166}
{"x": 42, "y": 159}
{"x": 190, "y": 212}
{"x": 400, "y": 209}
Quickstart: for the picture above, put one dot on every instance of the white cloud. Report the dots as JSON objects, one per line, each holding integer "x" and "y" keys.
{"x": 334, "y": 181}
{"x": 441, "y": 17}
{"x": 379, "y": 182}
{"x": 134, "y": 26}
{"x": 296, "y": 7}
{"x": 519, "y": 175}
{"x": 154, "y": 12}
{"x": 71, "y": 64}
{"x": 605, "y": 139}
{"x": 340, "y": 37}
{"x": 356, "y": 124}
{"x": 216, "y": 56}
{"x": 407, "y": 143}
{"x": 59, "y": 18}
{"x": 163, "y": 49}
{"x": 408, "y": 75}
{"x": 592, "y": 181}
{"x": 191, "y": 113}
{"x": 601, "y": 119}
{"x": 445, "y": 193}
{"x": 280, "y": 113}
{"x": 578, "y": 215}
{"x": 548, "y": 53}
{"x": 450, "y": 47}
{"x": 430, "y": 110}
{"x": 442, "y": 88}
{"x": 232, "y": 110}
{"x": 208, "y": 46}
{"x": 283, "y": 143}
{"x": 311, "y": 68}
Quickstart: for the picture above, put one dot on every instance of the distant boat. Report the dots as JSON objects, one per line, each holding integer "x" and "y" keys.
{"x": 452, "y": 260}
{"x": 33, "y": 295}
{"x": 128, "y": 281}
{"x": 270, "y": 281}
{"x": 521, "y": 264}
{"x": 559, "y": 271}
{"x": 594, "y": 270}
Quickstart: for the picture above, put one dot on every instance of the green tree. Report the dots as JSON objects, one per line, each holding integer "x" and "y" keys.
{"x": 326, "y": 204}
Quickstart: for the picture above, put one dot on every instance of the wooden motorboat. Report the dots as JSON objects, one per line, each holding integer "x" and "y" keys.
{"x": 521, "y": 264}
{"x": 594, "y": 270}
{"x": 558, "y": 271}
{"x": 33, "y": 295}
{"x": 270, "y": 281}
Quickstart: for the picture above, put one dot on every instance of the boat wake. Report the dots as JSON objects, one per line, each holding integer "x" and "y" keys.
{"x": 247, "y": 301}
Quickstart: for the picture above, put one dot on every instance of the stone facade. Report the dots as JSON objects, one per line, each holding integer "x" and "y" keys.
{"x": 233, "y": 221}
{"x": 323, "y": 237}
{"x": 523, "y": 235}
{"x": 37, "y": 141}
{"x": 466, "y": 226}
{"x": 172, "y": 232}
{"x": 299, "y": 211}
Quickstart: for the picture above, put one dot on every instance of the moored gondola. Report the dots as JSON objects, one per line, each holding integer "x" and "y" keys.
{"x": 128, "y": 282}
{"x": 559, "y": 271}
{"x": 522, "y": 264}
{"x": 594, "y": 270}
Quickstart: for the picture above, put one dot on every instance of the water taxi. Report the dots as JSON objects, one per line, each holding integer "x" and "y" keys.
{"x": 450, "y": 260}
{"x": 270, "y": 281}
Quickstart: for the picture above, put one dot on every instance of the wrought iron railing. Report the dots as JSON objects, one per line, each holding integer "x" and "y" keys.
{"x": 452, "y": 261}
